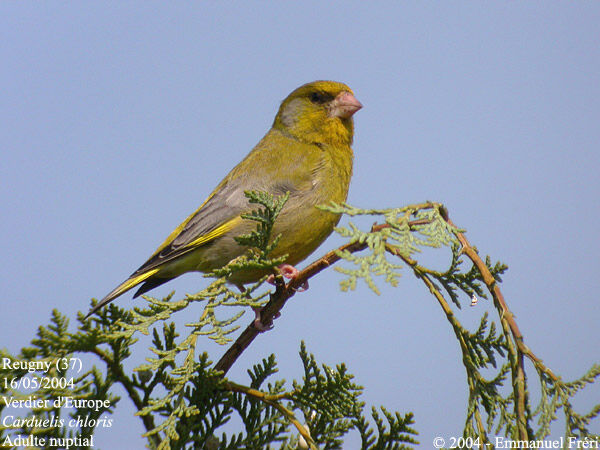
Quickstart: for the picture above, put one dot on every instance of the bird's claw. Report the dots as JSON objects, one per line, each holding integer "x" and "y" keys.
{"x": 290, "y": 272}
{"x": 287, "y": 271}
{"x": 261, "y": 327}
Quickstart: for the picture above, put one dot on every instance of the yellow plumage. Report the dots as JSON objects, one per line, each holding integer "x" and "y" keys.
{"x": 306, "y": 152}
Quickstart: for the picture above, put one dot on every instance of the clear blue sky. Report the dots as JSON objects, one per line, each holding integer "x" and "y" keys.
{"x": 118, "y": 118}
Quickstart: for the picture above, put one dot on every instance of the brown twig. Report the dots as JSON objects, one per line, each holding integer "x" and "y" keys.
{"x": 120, "y": 376}
{"x": 517, "y": 349}
{"x": 284, "y": 292}
{"x": 507, "y": 315}
{"x": 516, "y": 345}
{"x": 424, "y": 275}
{"x": 509, "y": 326}
{"x": 274, "y": 401}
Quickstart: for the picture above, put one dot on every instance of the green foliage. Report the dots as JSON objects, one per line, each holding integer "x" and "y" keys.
{"x": 260, "y": 241}
{"x": 557, "y": 395}
{"x": 261, "y": 238}
{"x": 332, "y": 393}
{"x": 55, "y": 345}
{"x": 401, "y": 234}
{"x": 184, "y": 402}
{"x": 198, "y": 399}
{"x": 454, "y": 281}
{"x": 408, "y": 229}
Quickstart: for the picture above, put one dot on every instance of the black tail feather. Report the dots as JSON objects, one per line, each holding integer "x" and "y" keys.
{"x": 150, "y": 284}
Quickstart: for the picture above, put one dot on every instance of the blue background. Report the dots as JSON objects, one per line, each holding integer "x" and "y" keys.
{"x": 118, "y": 118}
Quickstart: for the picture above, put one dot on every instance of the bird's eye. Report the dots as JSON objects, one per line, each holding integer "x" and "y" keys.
{"x": 320, "y": 97}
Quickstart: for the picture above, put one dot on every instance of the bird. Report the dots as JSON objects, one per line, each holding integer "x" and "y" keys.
{"x": 307, "y": 153}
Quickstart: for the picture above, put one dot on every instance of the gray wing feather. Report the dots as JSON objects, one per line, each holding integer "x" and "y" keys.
{"x": 229, "y": 202}
{"x": 224, "y": 205}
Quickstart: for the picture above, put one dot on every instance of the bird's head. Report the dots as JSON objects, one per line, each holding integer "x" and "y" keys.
{"x": 319, "y": 112}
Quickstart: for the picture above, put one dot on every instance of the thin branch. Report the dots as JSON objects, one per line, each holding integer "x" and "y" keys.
{"x": 515, "y": 343}
{"x": 118, "y": 373}
{"x": 284, "y": 292}
{"x": 273, "y": 400}
{"x": 509, "y": 325}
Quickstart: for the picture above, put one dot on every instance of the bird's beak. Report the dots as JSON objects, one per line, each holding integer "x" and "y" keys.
{"x": 344, "y": 105}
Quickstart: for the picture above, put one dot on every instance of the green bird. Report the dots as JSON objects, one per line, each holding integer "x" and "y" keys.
{"x": 307, "y": 152}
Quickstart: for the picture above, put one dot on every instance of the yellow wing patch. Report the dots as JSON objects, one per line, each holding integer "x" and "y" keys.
{"x": 217, "y": 232}
{"x": 126, "y": 285}
{"x": 178, "y": 230}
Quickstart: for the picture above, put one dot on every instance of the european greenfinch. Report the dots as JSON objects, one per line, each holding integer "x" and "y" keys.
{"x": 306, "y": 153}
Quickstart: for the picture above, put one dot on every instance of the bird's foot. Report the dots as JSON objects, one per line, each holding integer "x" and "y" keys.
{"x": 289, "y": 272}
{"x": 258, "y": 320}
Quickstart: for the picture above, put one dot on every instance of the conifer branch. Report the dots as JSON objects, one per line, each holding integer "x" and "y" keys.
{"x": 478, "y": 349}
{"x": 126, "y": 382}
{"x": 283, "y": 292}
{"x": 192, "y": 399}
{"x": 275, "y": 402}
{"x": 507, "y": 319}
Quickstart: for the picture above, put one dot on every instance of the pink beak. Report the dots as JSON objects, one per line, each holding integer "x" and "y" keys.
{"x": 345, "y": 105}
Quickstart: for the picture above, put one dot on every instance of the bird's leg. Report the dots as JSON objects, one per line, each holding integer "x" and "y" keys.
{"x": 289, "y": 272}
{"x": 258, "y": 320}
{"x": 257, "y": 313}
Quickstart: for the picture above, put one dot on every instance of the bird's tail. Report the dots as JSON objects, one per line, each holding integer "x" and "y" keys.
{"x": 130, "y": 283}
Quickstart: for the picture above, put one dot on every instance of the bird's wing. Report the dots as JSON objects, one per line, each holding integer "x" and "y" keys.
{"x": 217, "y": 215}
{"x": 295, "y": 166}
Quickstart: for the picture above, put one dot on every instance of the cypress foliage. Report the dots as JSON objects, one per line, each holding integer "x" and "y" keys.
{"x": 183, "y": 399}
